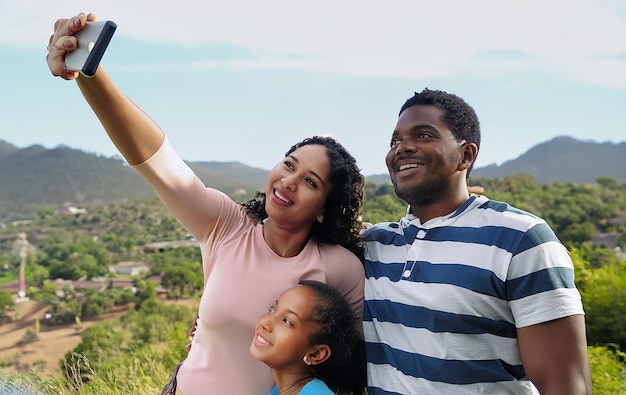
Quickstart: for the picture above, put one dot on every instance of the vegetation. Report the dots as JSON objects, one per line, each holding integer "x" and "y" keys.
{"x": 382, "y": 204}
{"x": 131, "y": 355}
{"x": 6, "y": 300}
{"x": 575, "y": 212}
{"x": 608, "y": 370}
{"x": 136, "y": 353}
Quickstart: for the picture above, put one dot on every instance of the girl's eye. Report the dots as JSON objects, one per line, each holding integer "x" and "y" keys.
{"x": 287, "y": 321}
{"x": 311, "y": 182}
{"x": 271, "y": 309}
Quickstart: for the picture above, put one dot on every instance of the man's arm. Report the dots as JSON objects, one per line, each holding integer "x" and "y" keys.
{"x": 554, "y": 355}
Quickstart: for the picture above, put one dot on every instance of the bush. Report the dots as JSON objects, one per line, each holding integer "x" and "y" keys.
{"x": 608, "y": 370}
{"x": 29, "y": 337}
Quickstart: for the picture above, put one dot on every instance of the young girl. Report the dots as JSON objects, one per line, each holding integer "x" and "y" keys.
{"x": 307, "y": 338}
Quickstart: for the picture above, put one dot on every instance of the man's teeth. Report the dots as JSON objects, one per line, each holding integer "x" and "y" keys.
{"x": 261, "y": 340}
{"x": 410, "y": 166}
{"x": 281, "y": 197}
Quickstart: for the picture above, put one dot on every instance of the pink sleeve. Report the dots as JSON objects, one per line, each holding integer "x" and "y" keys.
{"x": 194, "y": 205}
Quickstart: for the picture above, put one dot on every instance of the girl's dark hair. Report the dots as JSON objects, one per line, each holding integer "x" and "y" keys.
{"x": 344, "y": 370}
{"x": 343, "y": 220}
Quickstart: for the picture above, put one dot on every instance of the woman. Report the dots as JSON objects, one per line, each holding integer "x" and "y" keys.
{"x": 305, "y": 226}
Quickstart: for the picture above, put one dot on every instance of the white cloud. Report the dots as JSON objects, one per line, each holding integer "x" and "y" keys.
{"x": 394, "y": 38}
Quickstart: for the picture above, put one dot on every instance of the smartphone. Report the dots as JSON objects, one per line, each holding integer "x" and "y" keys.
{"x": 92, "y": 42}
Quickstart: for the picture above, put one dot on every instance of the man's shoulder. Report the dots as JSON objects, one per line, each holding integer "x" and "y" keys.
{"x": 375, "y": 231}
{"x": 497, "y": 208}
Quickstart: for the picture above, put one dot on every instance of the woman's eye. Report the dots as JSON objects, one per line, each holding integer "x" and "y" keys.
{"x": 311, "y": 182}
{"x": 287, "y": 321}
{"x": 288, "y": 164}
{"x": 272, "y": 309}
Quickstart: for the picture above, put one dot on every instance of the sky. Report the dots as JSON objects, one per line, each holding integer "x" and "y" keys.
{"x": 243, "y": 80}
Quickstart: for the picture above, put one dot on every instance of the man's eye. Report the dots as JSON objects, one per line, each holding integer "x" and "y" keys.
{"x": 394, "y": 143}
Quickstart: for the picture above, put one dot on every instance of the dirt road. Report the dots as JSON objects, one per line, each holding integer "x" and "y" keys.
{"x": 52, "y": 345}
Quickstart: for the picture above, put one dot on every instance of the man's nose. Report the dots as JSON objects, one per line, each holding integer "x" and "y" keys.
{"x": 405, "y": 145}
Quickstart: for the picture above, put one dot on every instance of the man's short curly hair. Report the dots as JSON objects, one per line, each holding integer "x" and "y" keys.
{"x": 343, "y": 221}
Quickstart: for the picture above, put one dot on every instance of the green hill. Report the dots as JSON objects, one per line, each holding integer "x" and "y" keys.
{"x": 36, "y": 178}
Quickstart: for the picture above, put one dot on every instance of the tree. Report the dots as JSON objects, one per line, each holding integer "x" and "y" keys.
{"x": 184, "y": 280}
{"x": 597, "y": 256}
{"x": 97, "y": 303}
{"x": 36, "y": 275}
{"x": 6, "y": 300}
{"x": 607, "y": 182}
{"x": 47, "y": 293}
{"x": 604, "y": 299}
{"x": 383, "y": 208}
{"x": 146, "y": 291}
{"x": 65, "y": 270}
{"x": 608, "y": 370}
{"x": 578, "y": 232}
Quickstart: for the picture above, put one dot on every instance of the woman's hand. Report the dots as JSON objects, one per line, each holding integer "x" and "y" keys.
{"x": 63, "y": 41}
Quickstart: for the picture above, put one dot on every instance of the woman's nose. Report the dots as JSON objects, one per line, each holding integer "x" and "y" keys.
{"x": 289, "y": 183}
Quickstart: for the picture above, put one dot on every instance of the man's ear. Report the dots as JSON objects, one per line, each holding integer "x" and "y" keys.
{"x": 468, "y": 156}
{"x": 318, "y": 354}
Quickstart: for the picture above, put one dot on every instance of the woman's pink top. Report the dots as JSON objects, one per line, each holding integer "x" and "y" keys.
{"x": 243, "y": 277}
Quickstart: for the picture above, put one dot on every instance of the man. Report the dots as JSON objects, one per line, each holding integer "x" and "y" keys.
{"x": 465, "y": 295}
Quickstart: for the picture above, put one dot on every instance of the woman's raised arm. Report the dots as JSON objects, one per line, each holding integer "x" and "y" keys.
{"x": 132, "y": 131}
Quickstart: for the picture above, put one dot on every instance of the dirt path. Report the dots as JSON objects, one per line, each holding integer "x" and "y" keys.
{"x": 52, "y": 345}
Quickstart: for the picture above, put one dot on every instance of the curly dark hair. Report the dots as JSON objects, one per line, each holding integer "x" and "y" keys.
{"x": 343, "y": 221}
{"x": 458, "y": 115}
{"x": 338, "y": 329}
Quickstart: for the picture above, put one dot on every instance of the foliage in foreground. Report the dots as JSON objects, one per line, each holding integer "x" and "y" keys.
{"x": 134, "y": 354}
{"x": 608, "y": 370}
{"x": 145, "y": 372}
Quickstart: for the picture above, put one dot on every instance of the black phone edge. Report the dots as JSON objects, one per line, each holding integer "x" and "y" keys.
{"x": 101, "y": 44}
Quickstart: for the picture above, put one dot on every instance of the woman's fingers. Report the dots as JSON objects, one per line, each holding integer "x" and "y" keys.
{"x": 63, "y": 41}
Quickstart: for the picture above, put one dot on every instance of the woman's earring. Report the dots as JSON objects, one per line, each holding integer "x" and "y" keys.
{"x": 306, "y": 360}
{"x": 320, "y": 218}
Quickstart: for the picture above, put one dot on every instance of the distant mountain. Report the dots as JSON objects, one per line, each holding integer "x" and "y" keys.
{"x": 234, "y": 178}
{"x": 379, "y": 178}
{"x": 564, "y": 159}
{"x": 36, "y": 178}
